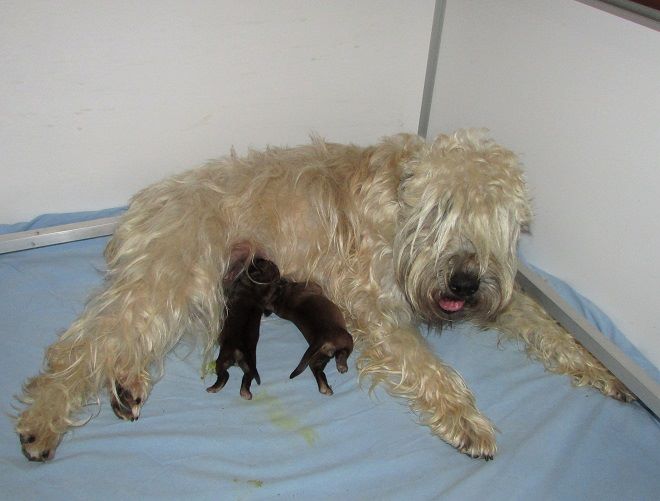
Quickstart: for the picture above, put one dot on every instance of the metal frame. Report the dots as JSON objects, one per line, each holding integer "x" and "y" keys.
{"x": 647, "y": 390}
{"x": 631, "y": 11}
{"x": 31, "y": 239}
{"x": 431, "y": 66}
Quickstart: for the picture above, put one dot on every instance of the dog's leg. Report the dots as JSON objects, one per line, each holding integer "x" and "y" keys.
{"x": 116, "y": 342}
{"x": 399, "y": 357}
{"x": 128, "y": 396}
{"x": 549, "y": 343}
{"x": 53, "y": 396}
{"x": 152, "y": 296}
{"x": 105, "y": 347}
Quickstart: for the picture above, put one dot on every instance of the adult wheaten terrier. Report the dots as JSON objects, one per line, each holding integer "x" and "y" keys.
{"x": 398, "y": 234}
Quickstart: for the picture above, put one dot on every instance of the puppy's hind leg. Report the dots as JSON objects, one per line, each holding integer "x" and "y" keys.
{"x": 248, "y": 364}
{"x": 549, "y": 343}
{"x": 316, "y": 359}
{"x": 224, "y": 362}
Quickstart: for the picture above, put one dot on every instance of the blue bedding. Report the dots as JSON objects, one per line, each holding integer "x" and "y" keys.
{"x": 291, "y": 442}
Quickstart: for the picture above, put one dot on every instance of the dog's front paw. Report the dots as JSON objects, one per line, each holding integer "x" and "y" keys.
{"x": 127, "y": 401}
{"x": 597, "y": 376}
{"x": 473, "y": 436}
{"x": 617, "y": 390}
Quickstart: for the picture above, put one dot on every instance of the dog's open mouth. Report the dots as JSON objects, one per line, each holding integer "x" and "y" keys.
{"x": 451, "y": 305}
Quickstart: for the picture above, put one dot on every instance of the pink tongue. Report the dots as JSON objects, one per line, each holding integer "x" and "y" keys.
{"x": 451, "y": 304}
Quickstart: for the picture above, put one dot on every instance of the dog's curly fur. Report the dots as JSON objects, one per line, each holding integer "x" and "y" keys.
{"x": 397, "y": 234}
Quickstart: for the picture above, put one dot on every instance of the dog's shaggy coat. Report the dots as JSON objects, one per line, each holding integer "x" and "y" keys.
{"x": 397, "y": 234}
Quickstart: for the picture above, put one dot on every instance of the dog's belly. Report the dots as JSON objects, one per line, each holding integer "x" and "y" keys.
{"x": 292, "y": 217}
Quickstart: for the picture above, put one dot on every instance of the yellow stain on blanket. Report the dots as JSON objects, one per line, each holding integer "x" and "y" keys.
{"x": 282, "y": 419}
{"x": 209, "y": 369}
{"x": 252, "y": 482}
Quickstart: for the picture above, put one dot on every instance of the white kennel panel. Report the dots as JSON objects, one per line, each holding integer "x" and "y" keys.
{"x": 573, "y": 90}
{"x": 99, "y": 99}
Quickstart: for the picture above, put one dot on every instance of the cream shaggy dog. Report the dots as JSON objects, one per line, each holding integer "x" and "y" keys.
{"x": 398, "y": 235}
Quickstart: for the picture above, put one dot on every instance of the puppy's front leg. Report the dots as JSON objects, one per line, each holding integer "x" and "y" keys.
{"x": 399, "y": 357}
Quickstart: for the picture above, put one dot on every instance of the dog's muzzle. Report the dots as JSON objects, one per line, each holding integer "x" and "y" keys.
{"x": 462, "y": 288}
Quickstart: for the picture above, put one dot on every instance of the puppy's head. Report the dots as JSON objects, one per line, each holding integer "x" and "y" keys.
{"x": 262, "y": 272}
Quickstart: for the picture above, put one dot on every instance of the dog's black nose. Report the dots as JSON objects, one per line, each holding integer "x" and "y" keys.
{"x": 464, "y": 284}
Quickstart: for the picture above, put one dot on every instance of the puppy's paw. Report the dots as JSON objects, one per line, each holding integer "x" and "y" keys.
{"x": 322, "y": 380}
{"x": 247, "y": 381}
{"x": 221, "y": 381}
{"x": 341, "y": 360}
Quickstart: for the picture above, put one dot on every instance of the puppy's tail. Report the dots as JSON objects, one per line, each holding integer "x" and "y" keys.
{"x": 304, "y": 361}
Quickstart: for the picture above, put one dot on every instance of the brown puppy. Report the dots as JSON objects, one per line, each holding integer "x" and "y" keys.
{"x": 322, "y": 324}
{"x": 247, "y": 297}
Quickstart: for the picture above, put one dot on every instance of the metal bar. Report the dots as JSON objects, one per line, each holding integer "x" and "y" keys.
{"x": 431, "y": 67}
{"x": 636, "y": 8}
{"x": 631, "y": 11}
{"x": 31, "y": 239}
{"x": 630, "y": 374}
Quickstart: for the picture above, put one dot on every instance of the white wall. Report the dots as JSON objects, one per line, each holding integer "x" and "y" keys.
{"x": 576, "y": 92}
{"x": 99, "y": 99}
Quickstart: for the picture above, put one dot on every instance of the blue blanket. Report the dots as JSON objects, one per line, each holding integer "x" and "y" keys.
{"x": 291, "y": 442}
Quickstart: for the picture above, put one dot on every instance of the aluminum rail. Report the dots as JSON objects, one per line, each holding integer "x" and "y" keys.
{"x": 42, "y": 237}
{"x": 431, "y": 66}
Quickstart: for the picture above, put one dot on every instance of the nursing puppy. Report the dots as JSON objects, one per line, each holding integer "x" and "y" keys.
{"x": 321, "y": 323}
{"x": 247, "y": 297}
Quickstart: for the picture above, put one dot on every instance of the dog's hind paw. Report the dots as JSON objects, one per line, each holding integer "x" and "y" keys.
{"x": 39, "y": 447}
{"x": 126, "y": 403}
